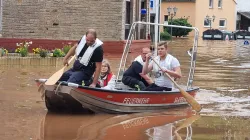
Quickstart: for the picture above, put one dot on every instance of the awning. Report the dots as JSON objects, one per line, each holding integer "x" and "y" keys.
{"x": 245, "y": 14}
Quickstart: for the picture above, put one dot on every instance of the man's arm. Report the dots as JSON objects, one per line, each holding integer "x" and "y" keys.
{"x": 96, "y": 74}
{"x": 97, "y": 57}
{"x": 176, "y": 73}
{"x": 146, "y": 67}
{"x": 147, "y": 78}
{"x": 176, "y": 69}
{"x": 71, "y": 52}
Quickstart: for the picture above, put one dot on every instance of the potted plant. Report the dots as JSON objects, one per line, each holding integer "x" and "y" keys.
{"x": 58, "y": 53}
{"x": 23, "y": 48}
{"x": 3, "y": 52}
{"x": 43, "y": 52}
{"x": 67, "y": 47}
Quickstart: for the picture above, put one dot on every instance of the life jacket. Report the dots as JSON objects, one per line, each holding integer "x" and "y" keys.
{"x": 89, "y": 52}
{"x": 105, "y": 80}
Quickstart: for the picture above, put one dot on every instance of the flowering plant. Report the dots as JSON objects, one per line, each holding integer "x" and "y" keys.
{"x": 58, "y": 53}
{"x": 43, "y": 52}
{"x": 23, "y": 48}
{"x": 67, "y": 47}
{"x": 3, "y": 51}
{"x": 36, "y": 50}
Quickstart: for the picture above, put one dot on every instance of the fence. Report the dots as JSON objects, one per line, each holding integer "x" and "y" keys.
{"x": 30, "y": 60}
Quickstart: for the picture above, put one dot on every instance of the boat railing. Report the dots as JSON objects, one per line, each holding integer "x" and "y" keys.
{"x": 193, "y": 53}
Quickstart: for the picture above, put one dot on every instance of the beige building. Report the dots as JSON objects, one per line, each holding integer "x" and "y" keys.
{"x": 196, "y": 11}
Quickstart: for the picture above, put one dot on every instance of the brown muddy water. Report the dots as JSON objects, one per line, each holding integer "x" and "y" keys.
{"x": 222, "y": 73}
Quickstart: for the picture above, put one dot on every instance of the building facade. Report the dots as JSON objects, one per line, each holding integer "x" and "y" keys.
{"x": 196, "y": 11}
{"x": 243, "y": 15}
{"x": 67, "y": 19}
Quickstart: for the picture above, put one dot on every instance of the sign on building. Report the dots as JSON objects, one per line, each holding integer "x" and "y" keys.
{"x": 152, "y": 7}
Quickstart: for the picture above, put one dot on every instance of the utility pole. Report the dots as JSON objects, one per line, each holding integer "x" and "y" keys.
{"x": 147, "y": 18}
{"x": 156, "y": 26}
{"x": 139, "y": 18}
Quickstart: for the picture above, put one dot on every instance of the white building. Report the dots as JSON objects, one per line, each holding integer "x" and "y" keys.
{"x": 243, "y": 15}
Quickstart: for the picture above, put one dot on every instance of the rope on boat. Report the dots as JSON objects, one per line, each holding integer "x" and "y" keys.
{"x": 41, "y": 89}
{"x": 57, "y": 88}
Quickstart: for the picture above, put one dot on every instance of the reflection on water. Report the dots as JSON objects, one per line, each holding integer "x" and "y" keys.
{"x": 222, "y": 73}
{"x": 177, "y": 125}
{"x": 155, "y": 126}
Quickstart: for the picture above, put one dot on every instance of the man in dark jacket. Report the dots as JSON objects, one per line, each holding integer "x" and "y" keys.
{"x": 131, "y": 76}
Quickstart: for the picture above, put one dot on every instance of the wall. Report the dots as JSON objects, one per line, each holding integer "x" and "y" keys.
{"x": 228, "y": 12}
{"x": 185, "y": 9}
{"x": 63, "y": 19}
{"x": 108, "y": 46}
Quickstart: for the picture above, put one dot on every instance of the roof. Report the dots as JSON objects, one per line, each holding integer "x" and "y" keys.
{"x": 245, "y": 14}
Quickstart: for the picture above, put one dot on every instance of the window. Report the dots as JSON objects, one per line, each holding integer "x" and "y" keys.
{"x": 211, "y": 3}
{"x": 128, "y": 20}
{"x": 128, "y": 12}
{"x": 219, "y": 3}
{"x": 206, "y": 23}
{"x": 165, "y": 17}
{"x": 143, "y": 5}
{"x": 222, "y": 23}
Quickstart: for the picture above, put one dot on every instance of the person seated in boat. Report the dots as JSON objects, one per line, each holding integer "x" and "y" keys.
{"x": 168, "y": 63}
{"x": 106, "y": 78}
{"x": 131, "y": 76}
{"x": 89, "y": 56}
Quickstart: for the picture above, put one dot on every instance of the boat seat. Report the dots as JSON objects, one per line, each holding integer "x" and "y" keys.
{"x": 121, "y": 86}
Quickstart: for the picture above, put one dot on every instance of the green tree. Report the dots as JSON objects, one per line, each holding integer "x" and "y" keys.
{"x": 165, "y": 36}
{"x": 178, "y": 32}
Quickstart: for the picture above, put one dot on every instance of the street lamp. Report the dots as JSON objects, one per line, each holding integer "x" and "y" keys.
{"x": 210, "y": 19}
{"x": 171, "y": 13}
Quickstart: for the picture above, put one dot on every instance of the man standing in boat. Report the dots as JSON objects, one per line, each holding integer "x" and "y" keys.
{"x": 131, "y": 76}
{"x": 89, "y": 56}
{"x": 168, "y": 63}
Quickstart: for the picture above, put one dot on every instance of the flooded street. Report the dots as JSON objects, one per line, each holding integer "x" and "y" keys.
{"x": 222, "y": 73}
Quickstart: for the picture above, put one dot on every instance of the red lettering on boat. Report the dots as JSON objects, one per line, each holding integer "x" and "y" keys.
{"x": 136, "y": 100}
{"x": 179, "y": 100}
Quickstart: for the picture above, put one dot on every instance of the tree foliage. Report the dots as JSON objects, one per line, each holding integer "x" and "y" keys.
{"x": 165, "y": 36}
{"x": 178, "y": 32}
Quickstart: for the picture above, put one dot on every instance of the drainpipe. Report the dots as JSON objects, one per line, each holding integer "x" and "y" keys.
{"x": 138, "y": 10}
{"x": 147, "y": 18}
{"x": 156, "y": 27}
{"x": 159, "y": 35}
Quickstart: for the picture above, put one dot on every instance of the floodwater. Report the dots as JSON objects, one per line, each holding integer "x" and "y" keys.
{"x": 222, "y": 73}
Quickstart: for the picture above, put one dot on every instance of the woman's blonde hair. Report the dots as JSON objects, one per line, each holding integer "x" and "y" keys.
{"x": 106, "y": 62}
